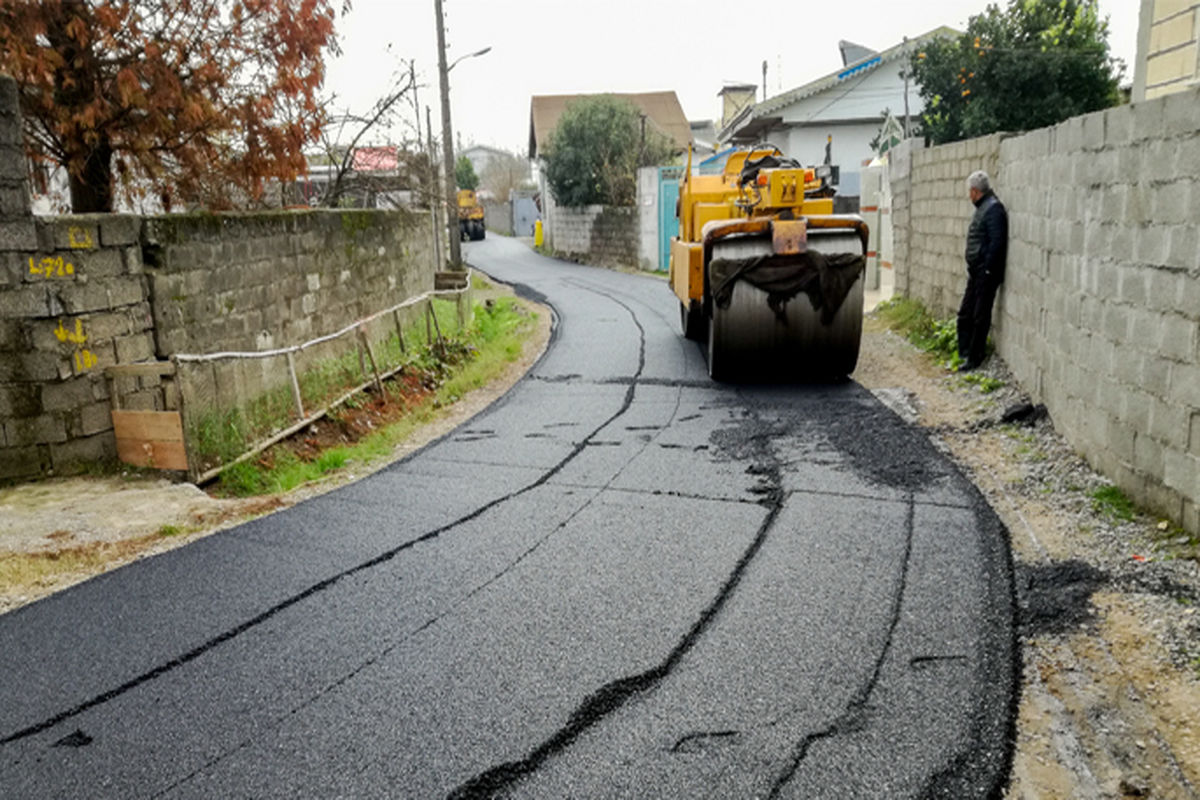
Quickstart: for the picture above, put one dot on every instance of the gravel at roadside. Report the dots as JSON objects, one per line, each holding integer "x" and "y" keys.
{"x": 1110, "y": 706}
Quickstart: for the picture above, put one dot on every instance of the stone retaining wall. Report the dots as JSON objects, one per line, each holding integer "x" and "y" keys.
{"x": 1100, "y": 315}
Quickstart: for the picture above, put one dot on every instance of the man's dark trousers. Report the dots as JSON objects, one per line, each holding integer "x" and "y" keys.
{"x": 987, "y": 250}
{"x": 975, "y": 317}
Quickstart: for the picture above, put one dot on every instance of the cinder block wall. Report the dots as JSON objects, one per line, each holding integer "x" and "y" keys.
{"x": 498, "y": 216}
{"x": 82, "y": 292}
{"x": 1100, "y": 315}
{"x": 72, "y": 301}
{"x": 261, "y": 281}
{"x": 931, "y": 212}
{"x": 604, "y": 235}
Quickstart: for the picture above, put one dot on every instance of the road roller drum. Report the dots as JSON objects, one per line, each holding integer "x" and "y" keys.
{"x": 766, "y": 272}
{"x": 810, "y": 335}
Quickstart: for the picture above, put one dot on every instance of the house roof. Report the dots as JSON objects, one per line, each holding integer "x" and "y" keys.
{"x": 661, "y": 108}
{"x": 483, "y": 148}
{"x": 756, "y": 118}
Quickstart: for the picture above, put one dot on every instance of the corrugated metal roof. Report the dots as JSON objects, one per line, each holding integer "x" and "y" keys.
{"x": 661, "y": 108}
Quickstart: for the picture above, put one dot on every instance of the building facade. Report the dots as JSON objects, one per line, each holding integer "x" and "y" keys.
{"x": 848, "y": 105}
{"x": 1168, "y": 54}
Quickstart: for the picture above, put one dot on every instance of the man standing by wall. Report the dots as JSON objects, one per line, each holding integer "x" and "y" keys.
{"x": 987, "y": 248}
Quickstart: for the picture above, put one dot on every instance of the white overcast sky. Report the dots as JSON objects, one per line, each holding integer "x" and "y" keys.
{"x": 569, "y": 46}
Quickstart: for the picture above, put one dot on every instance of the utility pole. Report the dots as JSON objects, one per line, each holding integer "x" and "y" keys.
{"x": 907, "y": 67}
{"x": 764, "y": 80}
{"x": 431, "y": 181}
{"x": 447, "y": 138}
{"x": 434, "y": 203}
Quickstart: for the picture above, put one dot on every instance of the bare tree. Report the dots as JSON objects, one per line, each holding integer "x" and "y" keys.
{"x": 503, "y": 173}
{"x": 341, "y": 136}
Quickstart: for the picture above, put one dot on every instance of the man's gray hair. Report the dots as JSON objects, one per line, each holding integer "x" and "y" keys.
{"x": 979, "y": 180}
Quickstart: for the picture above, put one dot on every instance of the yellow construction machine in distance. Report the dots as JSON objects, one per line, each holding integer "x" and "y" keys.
{"x": 766, "y": 271}
{"x": 470, "y": 216}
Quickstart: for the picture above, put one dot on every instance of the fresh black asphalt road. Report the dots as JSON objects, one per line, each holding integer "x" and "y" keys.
{"x": 621, "y": 580}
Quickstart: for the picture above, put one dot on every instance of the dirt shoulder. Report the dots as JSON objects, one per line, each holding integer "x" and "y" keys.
{"x": 59, "y": 532}
{"x": 1110, "y": 706}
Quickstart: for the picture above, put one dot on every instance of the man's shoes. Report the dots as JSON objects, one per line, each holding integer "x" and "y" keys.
{"x": 969, "y": 366}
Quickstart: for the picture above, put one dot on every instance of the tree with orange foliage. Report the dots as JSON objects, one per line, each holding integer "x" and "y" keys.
{"x": 202, "y": 100}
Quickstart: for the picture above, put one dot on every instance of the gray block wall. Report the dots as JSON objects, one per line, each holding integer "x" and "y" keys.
{"x": 1099, "y": 317}
{"x": 930, "y": 215}
{"x": 79, "y": 293}
{"x": 262, "y": 281}
{"x": 72, "y": 301}
{"x": 602, "y": 235}
{"x": 498, "y": 216}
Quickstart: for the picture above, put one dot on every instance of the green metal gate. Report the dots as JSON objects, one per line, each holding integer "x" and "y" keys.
{"x": 668, "y": 223}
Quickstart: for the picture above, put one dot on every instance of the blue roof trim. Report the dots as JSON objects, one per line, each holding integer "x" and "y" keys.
{"x": 857, "y": 68}
{"x": 717, "y": 156}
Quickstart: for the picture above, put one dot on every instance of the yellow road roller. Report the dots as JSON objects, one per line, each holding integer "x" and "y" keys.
{"x": 471, "y": 223}
{"x": 766, "y": 271}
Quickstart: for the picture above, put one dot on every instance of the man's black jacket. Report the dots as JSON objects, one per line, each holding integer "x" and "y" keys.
{"x": 987, "y": 239}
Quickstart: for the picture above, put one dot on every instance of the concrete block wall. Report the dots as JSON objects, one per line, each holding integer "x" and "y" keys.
{"x": 1099, "y": 317}
{"x": 256, "y": 282}
{"x": 82, "y": 292}
{"x": 603, "y": 235}
{"x": 614, "y": 236}
{"x": 569, "y": 230}
{"x": 931, "y": 213}
{"x": 69, "y": 308}
{"x": 262, "y": 281}
{"x": 498, "y": 216}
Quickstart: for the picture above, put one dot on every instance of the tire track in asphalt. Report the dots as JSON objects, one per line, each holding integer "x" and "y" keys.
{"x": 615, "y": 694}
{"x": 387, "y": 651}
{"x": 852, "y": 717}
{"x": 321, "y": 586}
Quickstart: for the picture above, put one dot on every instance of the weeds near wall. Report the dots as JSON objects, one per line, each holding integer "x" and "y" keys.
{"x": 986, "y": 383}
{"x": 219, "y": 436}
{"x": 1111, "y": 502}
{"x": 908, "y": 317}
{"x": 938, "y": 337}
{"x": 432, "y": 377}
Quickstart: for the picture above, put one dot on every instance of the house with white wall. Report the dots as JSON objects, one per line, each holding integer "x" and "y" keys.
{"x": 848, "y": 104}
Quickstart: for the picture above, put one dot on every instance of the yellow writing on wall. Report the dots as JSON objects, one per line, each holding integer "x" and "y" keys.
{"x": 76, "y": 336}
{"x": 51, "y": 267}
{"x": 84, "y": 359}
{"x": 80, "y": 238}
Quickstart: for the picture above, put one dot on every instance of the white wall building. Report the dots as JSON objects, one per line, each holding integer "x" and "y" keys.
{"x": 848, "y": 105}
